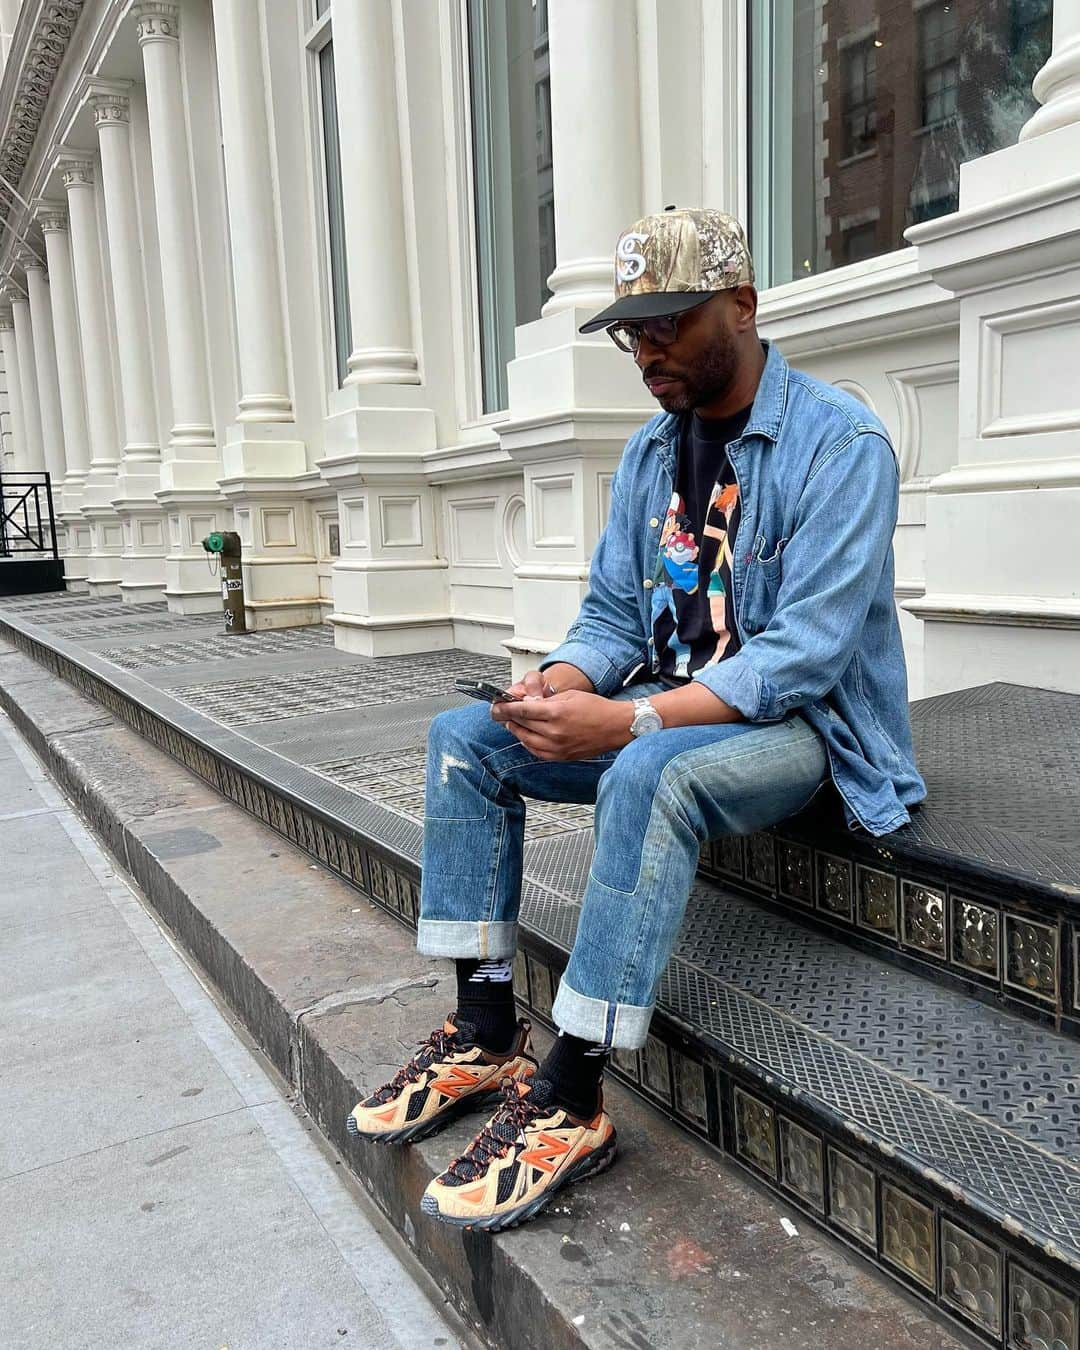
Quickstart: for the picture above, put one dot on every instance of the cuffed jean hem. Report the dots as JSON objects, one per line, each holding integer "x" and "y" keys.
{"x": 623, "y": 1026}
{"x": 466, "y": 939}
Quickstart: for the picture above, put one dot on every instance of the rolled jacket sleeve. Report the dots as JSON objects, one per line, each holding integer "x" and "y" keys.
{"x": 607, "y": 640}
{"x": 831, "y": 569}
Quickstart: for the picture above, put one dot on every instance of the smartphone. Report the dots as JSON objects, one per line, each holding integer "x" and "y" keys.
{"x": 490, "y": 693}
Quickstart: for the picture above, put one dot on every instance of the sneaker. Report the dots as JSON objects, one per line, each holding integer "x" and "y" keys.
{"x": 448, "y": 1076}
{"x": 528, "y": 1150}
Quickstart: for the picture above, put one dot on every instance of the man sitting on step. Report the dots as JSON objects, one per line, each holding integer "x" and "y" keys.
{"x": 737, "y": 649}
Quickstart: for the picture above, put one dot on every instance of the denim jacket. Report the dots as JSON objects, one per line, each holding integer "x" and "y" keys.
{"x": 812, "y": 577}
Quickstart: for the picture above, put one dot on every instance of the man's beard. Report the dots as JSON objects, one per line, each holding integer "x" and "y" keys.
{"x": 703, "y": 383}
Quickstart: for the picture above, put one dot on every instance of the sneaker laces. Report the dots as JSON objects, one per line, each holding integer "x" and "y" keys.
{"x": 506, "y": 1127}
{"x": 437, "y": 1046}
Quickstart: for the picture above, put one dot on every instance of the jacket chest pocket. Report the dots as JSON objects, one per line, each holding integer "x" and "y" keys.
{"x": 761, "y": 583}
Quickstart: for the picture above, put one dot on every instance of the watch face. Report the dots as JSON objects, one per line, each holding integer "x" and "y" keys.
{"x": 646, "y": 719}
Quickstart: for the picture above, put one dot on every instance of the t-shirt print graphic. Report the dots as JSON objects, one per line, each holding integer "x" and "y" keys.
{"x": 691, "y": 603}
{"x": 679, "y": 548}
{"x": 723, "y": 501}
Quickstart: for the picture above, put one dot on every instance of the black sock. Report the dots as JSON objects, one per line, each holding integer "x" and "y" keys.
{"x": 486, "y": 1000}
{"x": 574, "y": 1068}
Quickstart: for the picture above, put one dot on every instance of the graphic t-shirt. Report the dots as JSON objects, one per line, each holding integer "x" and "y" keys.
{"x": 693, "y": 615}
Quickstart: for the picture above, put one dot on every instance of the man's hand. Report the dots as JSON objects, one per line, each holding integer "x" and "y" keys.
{"x": 566, "y": 726}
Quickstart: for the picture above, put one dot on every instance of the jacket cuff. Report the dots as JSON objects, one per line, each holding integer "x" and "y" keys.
{"x": 741, "y": 687}
{"x": 594, "y": 664}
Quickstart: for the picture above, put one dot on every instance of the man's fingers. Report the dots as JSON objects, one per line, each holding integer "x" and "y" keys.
{"x": 534, "y": 742}
{"x": 534, "y": 710}
{"x": 532, "y": 685}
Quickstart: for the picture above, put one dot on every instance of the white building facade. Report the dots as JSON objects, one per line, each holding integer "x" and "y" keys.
{"x": 314, "y": 271}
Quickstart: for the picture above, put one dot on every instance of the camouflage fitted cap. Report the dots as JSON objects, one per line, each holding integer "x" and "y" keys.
{"x": 675, "y": 260}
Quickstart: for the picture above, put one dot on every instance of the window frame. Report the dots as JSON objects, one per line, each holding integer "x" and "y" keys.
{"x": 924, "y": 69}
{"x": 318, "y": 33}
{"x": 866, "y": 49}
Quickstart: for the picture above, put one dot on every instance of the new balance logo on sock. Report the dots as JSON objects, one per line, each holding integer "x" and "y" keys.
{"x": 492, "y": 972}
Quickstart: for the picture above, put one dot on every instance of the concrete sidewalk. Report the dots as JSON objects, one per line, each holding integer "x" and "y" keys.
{"x": 158, "y": 1188}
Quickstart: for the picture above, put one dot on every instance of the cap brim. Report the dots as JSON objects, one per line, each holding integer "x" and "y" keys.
{"x": 650, "y": 305}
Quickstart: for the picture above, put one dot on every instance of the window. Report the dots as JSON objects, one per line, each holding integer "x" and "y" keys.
{"x": 860, "y": 241}
{"x": 860, "y": 97}
{"x": 335, "y": 211}
{"x": 929, "y": 85}
{"x": 938, "y": 62}
{"x": 512, "y": 176}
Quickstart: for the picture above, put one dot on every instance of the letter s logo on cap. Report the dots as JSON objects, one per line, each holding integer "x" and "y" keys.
{"x": 630, "y": 261}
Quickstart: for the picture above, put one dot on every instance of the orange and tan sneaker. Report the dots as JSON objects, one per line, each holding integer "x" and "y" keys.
{"x": 528, "y": 1150}
{"x": 448, "y": 1076}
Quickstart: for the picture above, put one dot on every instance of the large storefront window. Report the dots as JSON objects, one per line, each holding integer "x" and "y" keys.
{"x": 511, "y": 136}
{"x": 863, "y": 112}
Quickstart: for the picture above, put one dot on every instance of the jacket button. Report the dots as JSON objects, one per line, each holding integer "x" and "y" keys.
{"x": 654, "y": 522}
{"x": 648, "y": 583}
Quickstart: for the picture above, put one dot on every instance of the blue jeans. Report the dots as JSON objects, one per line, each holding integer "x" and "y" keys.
{"x": 657, "y": 800}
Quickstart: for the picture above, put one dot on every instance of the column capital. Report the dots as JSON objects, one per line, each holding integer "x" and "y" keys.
{"x": 157, "y": 21}
{"x": 110, "y": 108}
{"x": 10, "y": 293}
{"x": 27, "y": 259}
{"x": 75, "y": 167}
{"x": 51, "y": 216}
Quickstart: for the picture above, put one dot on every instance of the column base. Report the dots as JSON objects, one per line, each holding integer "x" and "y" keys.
{"x": 273, "y": 519}
{"x": 398, "y": 635}
{"x": 190, "y": 585}
{"x": 263, "y": 615}
{"x": 106, "y": 544}
{"x": 76, "y": 549}
{"x": 142, "y": 559}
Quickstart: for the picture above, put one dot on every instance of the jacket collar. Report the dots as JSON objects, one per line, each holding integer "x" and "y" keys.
{"x": 766, "y": 414}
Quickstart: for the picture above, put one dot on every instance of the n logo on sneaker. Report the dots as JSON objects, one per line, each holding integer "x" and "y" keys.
{"x": 455, "y": 1081}
{"x": 546, "y": 1152}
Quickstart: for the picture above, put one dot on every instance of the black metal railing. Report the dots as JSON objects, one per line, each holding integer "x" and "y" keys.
{"x": 27, "y": 523}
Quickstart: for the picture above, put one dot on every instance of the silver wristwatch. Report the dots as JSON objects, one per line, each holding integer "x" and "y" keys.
{"x": 646, "y": 718}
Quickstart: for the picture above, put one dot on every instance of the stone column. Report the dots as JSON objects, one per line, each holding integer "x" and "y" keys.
{"x": 142, "y": 562}
{"x": 249, "y": 180}
{"x": 106, "y": 534}
{"x": 379, "y": 290}
{"x": 191, "y": 464}
{"x": 593, "y": 49}
{"x": 34, "y": 448}
{"x": 1057, "y": 85}
{"x": 11, "y": 374}
{"x": 52, "y": 217}
{"x": 567, "y": 457}
{"x": 48, "y": 382}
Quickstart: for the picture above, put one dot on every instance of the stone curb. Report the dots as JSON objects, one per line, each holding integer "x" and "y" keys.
{"x": 684, "y": 1254}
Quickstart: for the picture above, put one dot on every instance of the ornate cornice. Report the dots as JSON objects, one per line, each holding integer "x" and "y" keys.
{"x": 157, "y": 22}
{"x": 40, "y": 60}
{"x": 110, "y": 108}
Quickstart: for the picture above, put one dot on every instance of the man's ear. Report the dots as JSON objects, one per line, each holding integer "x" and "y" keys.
{"x": 745, "y": 298}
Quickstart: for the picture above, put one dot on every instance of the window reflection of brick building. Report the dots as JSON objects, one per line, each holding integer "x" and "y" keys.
{"x": 911, "y": 91}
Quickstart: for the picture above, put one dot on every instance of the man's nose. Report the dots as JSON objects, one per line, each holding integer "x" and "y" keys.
{"x": 646, "y": 353}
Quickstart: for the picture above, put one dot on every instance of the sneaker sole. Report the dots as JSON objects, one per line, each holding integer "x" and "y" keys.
{"x": 597, "y": 1161}
{"x": 411, "y": 1134}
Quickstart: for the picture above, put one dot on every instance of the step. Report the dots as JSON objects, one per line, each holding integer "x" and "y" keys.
{"x": 983, "y": 889}
{"x": 691, "y": 1253}
{"x": 312, "y": 742}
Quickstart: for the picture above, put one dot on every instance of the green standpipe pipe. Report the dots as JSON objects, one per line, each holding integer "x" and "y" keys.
{"x": 226, "y": 544}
